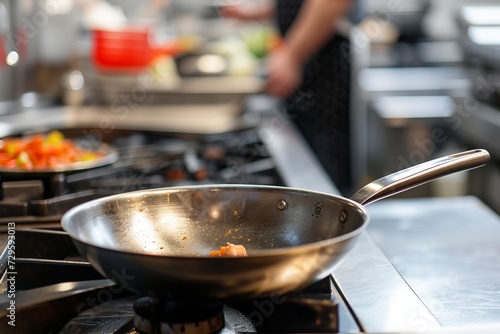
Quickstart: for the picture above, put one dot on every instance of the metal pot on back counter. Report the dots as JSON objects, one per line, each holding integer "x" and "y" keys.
{"x": 423, "y": 265}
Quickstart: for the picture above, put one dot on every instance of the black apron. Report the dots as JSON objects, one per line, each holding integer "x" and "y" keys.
{"x": 320, "y": 107}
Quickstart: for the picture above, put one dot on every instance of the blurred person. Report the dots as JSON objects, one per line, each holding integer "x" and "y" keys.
{"x": 311, "y": 70}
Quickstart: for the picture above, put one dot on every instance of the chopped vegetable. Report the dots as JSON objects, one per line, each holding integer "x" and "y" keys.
{"x": 39, "y": 151}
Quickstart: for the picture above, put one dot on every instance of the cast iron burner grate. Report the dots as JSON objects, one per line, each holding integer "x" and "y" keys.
{"x": 301, "y": 312}
{"x": 146, "y": 161}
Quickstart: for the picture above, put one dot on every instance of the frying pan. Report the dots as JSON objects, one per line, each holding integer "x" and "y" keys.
{"x": 156, "y": 242}
{"x": 53, "y": 176}
{"x": 109, "y": 156}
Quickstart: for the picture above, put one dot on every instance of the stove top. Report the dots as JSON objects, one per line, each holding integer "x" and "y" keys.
{"x": 59, "y": 292}
{"x": 146, "y": 160}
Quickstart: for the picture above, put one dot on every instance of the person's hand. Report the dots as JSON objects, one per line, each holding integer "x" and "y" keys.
{"x": 284, "y": 73}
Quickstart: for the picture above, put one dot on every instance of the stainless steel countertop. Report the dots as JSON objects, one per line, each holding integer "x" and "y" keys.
{"x": 428, "y": 264}
{"x": 448, "y": 251}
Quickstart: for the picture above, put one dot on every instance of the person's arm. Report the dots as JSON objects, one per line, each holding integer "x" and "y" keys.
{"x": 248, "y": 13}
{"x": 314, "y": 25}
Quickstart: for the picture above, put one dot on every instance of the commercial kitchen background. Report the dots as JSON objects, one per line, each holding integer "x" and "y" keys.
{"x": 418, "y": 68}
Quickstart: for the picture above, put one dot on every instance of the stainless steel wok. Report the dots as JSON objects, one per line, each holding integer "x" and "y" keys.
{"x": 156, "y": 242}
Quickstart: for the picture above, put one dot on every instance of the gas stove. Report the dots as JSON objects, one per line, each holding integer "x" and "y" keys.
{"x": 57, "y": 291}
{"x": 423, "y": 265}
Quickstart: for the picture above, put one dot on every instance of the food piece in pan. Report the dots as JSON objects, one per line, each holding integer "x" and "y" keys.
{"x": 231, "y": 250}
{"x": 42, "y": 151}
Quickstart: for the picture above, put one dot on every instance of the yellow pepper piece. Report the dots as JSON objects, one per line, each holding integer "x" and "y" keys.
{"x": 54, "y": 137}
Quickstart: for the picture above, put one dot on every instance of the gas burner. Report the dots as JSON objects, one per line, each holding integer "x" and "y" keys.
{"x": 122, "y": 316}
{"x": 154, "y": 316}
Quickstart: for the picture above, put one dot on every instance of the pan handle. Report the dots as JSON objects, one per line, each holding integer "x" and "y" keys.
{"x": 416, "y": 175}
